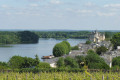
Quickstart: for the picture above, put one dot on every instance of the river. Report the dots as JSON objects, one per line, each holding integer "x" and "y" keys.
{"x": 43, "y": 48}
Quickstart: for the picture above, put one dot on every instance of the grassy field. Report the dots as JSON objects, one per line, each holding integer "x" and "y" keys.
{"x": 60, "y": 76}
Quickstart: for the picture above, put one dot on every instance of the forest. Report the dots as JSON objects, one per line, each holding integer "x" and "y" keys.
{"x": 20, "y": 37}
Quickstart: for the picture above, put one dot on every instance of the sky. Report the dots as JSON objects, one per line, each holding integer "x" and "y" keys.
{"x": 60, "y": 14}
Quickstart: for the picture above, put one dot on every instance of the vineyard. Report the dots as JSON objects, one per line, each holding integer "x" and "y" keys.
{"x": 60, "y": 76}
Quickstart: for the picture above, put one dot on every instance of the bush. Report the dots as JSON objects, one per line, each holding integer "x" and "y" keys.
{"x": 71, "y": 63}
{"x": 88, "y": 42}
{"x": 3, "y": 65}
{"x": 94, "y": 61}
{"x": 100, "y": 50}
{"x": 116, "y": 40}
{"x": 68, "y": 44}
{"x": 60, "y": 63}
{"x": 17, "y": 62}
{"x": 61, "y": 48}
{"x": 91, "y": 52}
{"x": 116, "y": 61}
{"x": 80, "y": 60}
{"x": 43, "y": 65}
{"x": 75, "y": 48}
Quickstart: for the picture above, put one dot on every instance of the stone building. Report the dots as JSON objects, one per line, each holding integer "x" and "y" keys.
{"x": 96, "y": 36}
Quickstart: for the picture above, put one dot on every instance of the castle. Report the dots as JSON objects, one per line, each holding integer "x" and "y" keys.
{"x": 96, "y": 36}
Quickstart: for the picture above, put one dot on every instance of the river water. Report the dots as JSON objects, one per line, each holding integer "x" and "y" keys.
{"x": 43, "y": 48}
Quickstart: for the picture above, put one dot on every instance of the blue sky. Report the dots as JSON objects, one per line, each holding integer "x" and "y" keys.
{"x": 60, "y": 14}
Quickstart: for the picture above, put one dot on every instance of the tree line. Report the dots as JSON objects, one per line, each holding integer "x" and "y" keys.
{"x": 18, "y": 37}
{"x": 15, "y": 37}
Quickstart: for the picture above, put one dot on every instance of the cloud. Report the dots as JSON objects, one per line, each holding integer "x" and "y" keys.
{"x": 112, "y": 5}
{"x": 4, "y": 6}
{"x": 106, "y": 14}
{"x": 89, "y": 4}
{"x": 55, "y": 2}
{"x": 34, "y": 5}
{"x": 84, "y": 11}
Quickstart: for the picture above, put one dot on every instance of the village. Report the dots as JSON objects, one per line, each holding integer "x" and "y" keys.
{"x": 98, "y": 40}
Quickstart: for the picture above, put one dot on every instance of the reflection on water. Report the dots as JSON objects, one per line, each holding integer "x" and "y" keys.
{"x": 43, "y": 48}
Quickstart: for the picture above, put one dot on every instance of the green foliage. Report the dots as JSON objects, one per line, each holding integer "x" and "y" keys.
{"x": 75, "y": 48}
{"x": 68, "y": 45}
{"x": 91, "y": 52}
{"x": 9, "y": 38}
{"x": 61, "y": 48}
{"x": 101, "y": 49}
{"x": 3, "y": 65}
{"x": 94, "y": 61}
{"x": 88, "y": 42}
{"x": 116, "y": 61}
{"x": 43, "y": 65}
{"x": 60, "y": 63}
{"x": 116, "y": 40}
{"x": 108, "y": 35}
{"x": 63, "y": 34}
{"x": 70, "y": 62}
{"x": 28, "y": 62}
{"x": 115, "y": 67}
{"x": 80, "y": 60}
{"x": 28, "y": 37}
{"x": 37, "y": 60}
{"x": 17, "y": 62}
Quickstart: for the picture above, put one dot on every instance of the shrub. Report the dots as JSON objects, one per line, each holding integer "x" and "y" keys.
{"x": 43, "y": 65}
{"x": 88, "y": 42}
{"x": 17, "y": 62}
{"x": 116, "y": 61}
{"x": 60, "y": 62}
{"x": 101, "y": 49}
{"x": 59, "y": 50}
{"x": 71, "y": 63}
{"x": 75, "y": 48}
{"x": 116, "y": 40}
{"x": 80, "y": 60}
{"x": 68, "y": 44}
{"x": 91, "y": 52}
{"x": 94, "y": 61}
{"x": 3, "y": 65}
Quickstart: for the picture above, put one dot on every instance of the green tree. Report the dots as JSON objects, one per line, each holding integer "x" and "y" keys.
{"x": 68, "y": 44}
{"x": 101, "y": 49}
{"x": 37, "y": 60}
{"x": 60, "y": 63}
{"x": 43, "y": 65}
{"x": 71, "y": 63}
{"x": 28, "y": 37}
{"x": 116, "y": 61}
{"x": 59, "y": 50}
{"x": 91, "y": 52}
{"x": 94, "y": 61}
{"x": 80, "y": 60}
{"x": 88, "y": 42}
{"x": 15, "y": 62}
{"x": 116, "y": 40}
{"x": 75, "y": 48}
